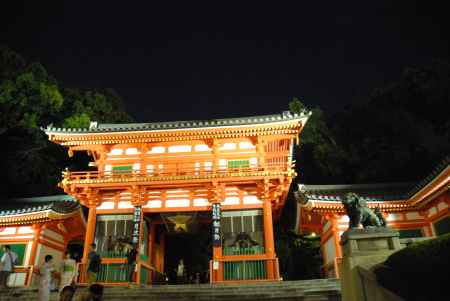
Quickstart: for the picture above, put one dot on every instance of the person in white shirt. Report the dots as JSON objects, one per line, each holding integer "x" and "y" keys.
{"x": 7, "y": 263}
{"x": 68, "y": 270}
{"x": 46, "y": 273}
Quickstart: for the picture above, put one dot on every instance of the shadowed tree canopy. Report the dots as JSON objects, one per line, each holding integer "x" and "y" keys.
{"x": 29, "y": 99}
{"x": 398, "y": 134}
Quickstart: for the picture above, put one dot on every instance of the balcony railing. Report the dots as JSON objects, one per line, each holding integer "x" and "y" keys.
{"x": 177, "y": 172}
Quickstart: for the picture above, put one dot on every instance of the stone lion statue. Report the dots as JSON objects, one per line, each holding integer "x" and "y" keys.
{"x": 359, "y": 213}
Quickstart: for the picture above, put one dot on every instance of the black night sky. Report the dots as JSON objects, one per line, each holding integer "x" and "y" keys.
{"x": 192, "y": 61}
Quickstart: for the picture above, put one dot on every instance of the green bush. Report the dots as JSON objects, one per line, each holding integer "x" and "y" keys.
{"x": 418, "y": 272}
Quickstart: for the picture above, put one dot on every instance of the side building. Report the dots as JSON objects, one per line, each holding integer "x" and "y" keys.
{"x": 417, "y": 210}
{"x": 35, "y": 227}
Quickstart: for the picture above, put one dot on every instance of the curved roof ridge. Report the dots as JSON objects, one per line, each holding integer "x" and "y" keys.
{"x": 215, "y": 122}
{"x": 441, "y": 166}
{"x": 356, "y": 186}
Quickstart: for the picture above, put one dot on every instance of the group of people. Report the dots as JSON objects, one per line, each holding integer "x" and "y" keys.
{"x": 62, "y": 277}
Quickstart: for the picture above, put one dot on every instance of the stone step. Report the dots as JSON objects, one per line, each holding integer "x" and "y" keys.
{"x": 307, "y": 290}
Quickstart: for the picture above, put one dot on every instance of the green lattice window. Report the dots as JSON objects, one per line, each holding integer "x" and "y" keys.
{"x": 19, "y": 249}
{"x": 122, "y": 168}
{"x": 442, "y": 226}
{"x": 238, "y": 164}
{"x": 410, "y": 233}
{"x": 245, "y": 270}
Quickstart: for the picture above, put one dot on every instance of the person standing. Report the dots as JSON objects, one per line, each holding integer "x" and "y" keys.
{"x": 46, "y": 271}
{"x": 7, "y": 262}
{"x": 180, "y": 272}
{"x": 131, "y": 261}
{"x": 93, "y": 265}
{"x": 68, "y": 271}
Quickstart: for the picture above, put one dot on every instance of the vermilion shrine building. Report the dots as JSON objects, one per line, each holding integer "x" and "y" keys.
{"x": 151, "y": 182}
{"x": 169, "y": 173}
{"x": 35, "y": 227}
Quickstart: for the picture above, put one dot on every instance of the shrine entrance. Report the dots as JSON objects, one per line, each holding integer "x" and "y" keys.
{"x": 187, "y": 248}
{"x": 187, "y": 256}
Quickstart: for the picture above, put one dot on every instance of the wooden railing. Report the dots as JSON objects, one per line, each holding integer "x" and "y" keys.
{"x": 145, "y": 274}
{"x": 337, "y": 266}
{"x": 15, "y": 280}
{"x": 112, "y": 270}
{"x": 176, "y": 171}
{"x": 117, "y": 271}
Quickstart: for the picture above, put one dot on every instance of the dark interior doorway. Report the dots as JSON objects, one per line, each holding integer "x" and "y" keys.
{"x": 195, "y": 249}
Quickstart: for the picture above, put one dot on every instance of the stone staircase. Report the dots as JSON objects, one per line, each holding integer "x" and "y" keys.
{"x": 307, "y": 290}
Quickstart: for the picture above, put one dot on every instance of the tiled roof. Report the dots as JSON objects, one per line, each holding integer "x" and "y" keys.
{"x": 156, "y": 126}
{"x": 436, "y": 171}
{"x": 61, "y": 204}
{"x": 372, "y": 192}
{"x": 368, "y": 192}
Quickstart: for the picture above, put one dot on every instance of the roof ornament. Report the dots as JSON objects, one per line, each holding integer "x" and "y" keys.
{"x": 93, "y": 125}
{"x": 286, "y": 114}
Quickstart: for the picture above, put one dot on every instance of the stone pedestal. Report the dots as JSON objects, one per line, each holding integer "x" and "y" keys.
{"x": 365, "y": 248}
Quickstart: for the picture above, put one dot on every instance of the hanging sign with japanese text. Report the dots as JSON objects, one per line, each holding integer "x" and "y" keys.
{"x": 136, "y": 224}
{"x": 216, "y": 239}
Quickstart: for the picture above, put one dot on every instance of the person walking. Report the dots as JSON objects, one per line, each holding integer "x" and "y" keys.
{"x": 131, "y": 262}
{"x": 68, "y": 270}
{"x": 94, "y": 264}
{"x": 46, "y": 271}
{"x": 7, "y": 263}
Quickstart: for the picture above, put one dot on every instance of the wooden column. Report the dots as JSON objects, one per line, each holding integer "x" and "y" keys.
{"x": 428, "y": 225}
{"x": 162, "y": 243}
{"x": 337, "y": 239}
{"x": 214, "y": 144}
{"x": 90, "y": 232}
{"x": 37, "y": 234}
{"x": 260, "y": 150}
{"x": 217, "y": 275}
{"x": 217, "y": 195}
{"x": 268, "y": 238}
{"x": 151, "y": 242}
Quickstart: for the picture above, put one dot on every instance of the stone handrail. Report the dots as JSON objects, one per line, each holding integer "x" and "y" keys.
{"x": 372, "y": 290}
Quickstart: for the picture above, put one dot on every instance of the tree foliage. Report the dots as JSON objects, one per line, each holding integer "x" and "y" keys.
{"x": 29, "y": 99}
{"x": 398, "y": 134}
{"x": 299, "y": 255}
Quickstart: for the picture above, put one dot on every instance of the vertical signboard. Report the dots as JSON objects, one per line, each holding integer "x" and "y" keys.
{"x": 136, "y": 224}
{"x": 216, "y": 238}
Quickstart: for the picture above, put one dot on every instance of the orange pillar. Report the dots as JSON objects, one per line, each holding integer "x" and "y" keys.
{"x": 162, "y": 244}
{"x": 337, "y": 239}
{"x": 90, "y": 232}
{"x": 217, "y": 275}
{"x": 337, "y": 245}
{"x": 268, "y": 239}
{"x": 151, "y": 242}
{"x": 37, "y": 234}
